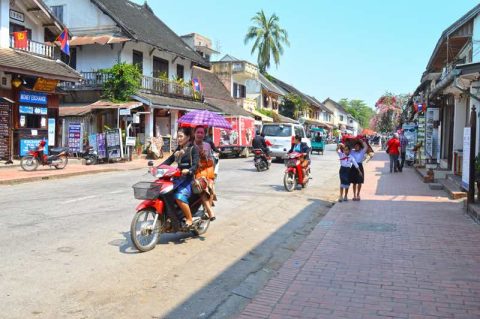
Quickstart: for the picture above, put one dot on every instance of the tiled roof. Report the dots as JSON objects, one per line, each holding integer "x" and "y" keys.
{"x": 26, "y": 63}
{"x": 139, "y": 22}
{"x": 216, "y": 94}
{"x": 269, "y": 86}
{"x": 337, "y": 105}
{"x": 173, "y": 103}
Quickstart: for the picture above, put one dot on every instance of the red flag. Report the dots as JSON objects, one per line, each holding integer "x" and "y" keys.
{"x": 20, "y": 40}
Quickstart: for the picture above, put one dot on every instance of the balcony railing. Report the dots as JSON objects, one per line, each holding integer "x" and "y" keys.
{"x": 247, "y": 104}
{"x": 96, "y": 80}
{"x": 37, "y": 48}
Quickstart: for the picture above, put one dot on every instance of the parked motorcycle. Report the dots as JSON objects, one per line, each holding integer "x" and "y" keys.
{"x": 159, "y": 214}
{"x": 58, "y": 158}
{"x": 294, "y": 173}
{"x": 90, "y": 156}
{"x": 261, "y": 160}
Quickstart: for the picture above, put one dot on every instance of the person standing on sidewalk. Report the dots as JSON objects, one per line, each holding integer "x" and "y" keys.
{"x": 393, "y": 149}
{"x": 403, "y": 149}
{"x": 360, "y": 148}
{"x": 346, "y": 163}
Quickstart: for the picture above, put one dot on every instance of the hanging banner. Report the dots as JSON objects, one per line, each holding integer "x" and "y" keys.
{"x": 101, "y": 147}
{"x": 466, "y": 158}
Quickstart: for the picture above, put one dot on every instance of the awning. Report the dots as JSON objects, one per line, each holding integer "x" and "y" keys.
{"x": 80, "y": 109}
{"x": 262, "y": 116}
{"x": 99, "y": 39}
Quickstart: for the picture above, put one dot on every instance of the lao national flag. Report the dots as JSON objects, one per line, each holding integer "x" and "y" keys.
{"x": 20, "y": 40}
{"x": 196, "y": 85}
{"x": 64, "y": 42}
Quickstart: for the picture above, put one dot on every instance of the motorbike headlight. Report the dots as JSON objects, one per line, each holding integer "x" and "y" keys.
{"x": 160, "y": 173}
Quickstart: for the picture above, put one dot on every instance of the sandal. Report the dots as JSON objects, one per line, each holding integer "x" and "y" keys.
{"x": 345, "y": 199}
{"x": 340, "y": 200}
{"x": 213, "y": 218}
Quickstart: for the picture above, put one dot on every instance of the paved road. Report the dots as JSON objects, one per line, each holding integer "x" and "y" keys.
{"x": 66, "y": 250}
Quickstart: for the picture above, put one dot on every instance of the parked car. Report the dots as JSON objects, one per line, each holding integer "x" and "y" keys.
{"x": 282, "y": 136}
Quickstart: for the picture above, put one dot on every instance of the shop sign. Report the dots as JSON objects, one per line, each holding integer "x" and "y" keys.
{"x": 15, "y": 15}
{"x": 466, "y": 158}
{"x": 124, "y": 112}
{"x": 33, "y": 98}
{"x": 75, "y": 134}
{"x": 27, "y": 145}
{"x": 51, "y": 132}
{"x": 33, "y": 110}
{"x": 45, "y": 85}
{"x": 130, "y": 141}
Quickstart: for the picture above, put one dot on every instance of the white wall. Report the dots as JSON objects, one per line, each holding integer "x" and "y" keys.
{"x": 476, "y": 39}
{"x": 4, "y": 23}
{"x": 95, "y": 57}
{"x": 82, "y": 16}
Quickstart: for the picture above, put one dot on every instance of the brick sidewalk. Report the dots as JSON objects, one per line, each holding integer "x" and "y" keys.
{"x": 404, "y": 251}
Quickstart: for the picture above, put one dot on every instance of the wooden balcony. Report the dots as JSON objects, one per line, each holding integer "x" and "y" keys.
{"x": 37, "y": 48}
{"x": 96, "y": 80}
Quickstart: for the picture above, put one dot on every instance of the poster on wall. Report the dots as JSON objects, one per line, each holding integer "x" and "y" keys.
{"x": 51, "y": 132}
{"x": 92, "y": 142}
{"x": 101, "y": 147}
{"x": 75, "y": 137}
{"x": 114, "y": 144}
{"x": 466, "y": 158}
{"x": 27, "y": 145}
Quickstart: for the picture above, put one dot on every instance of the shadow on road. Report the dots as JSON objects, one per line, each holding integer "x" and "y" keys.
{"x": 228, "y": 293}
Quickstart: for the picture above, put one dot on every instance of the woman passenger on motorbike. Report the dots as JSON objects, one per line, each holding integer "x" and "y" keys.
{"x": 302, "y": 147}
{"x": 186, "y": 157}
{"x": 205, "y": 174}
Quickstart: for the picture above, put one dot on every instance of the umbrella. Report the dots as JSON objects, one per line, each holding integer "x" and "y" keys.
{"x": 204, "y": 118}
{"x": 368, "y": 131}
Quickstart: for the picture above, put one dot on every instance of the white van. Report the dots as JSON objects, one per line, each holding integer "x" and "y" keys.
{"x": 282, "y": 136}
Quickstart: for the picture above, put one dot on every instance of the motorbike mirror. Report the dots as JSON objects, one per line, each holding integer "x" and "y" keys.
{"x": 150, "y": 163}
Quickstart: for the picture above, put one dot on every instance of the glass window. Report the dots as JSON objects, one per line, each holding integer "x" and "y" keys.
{"x": 299, "y": 131}
{"x": 180, "y": 71}
{"x": 138, "y": 60}
{"x": 277, "y": 130}
{"x": 58, "y": 12}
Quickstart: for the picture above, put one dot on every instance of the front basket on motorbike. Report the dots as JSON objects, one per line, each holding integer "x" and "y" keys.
{"x": 146, "y": 190}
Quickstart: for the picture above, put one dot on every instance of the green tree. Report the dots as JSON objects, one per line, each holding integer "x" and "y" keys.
{"x": 123, "y": 80}
{"x": 269, "y": 39}
{"x": 293, "y": 106}
{"x": 359, "y": 110}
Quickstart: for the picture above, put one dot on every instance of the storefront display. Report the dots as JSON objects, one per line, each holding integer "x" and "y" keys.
{"x": 431, "y": 133}
{"x": 32, "y": 121}
{"x": 75, "y": 137}
{"x": 5, "y": 146}
{"x": 114, "y": 144}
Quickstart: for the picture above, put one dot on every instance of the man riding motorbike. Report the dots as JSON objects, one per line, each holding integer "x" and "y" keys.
{"x": 260, "y": 143}
{"x": 302, "y": 147}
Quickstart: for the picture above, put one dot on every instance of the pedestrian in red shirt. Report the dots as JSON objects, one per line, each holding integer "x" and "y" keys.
{"x": 393, "y": 149}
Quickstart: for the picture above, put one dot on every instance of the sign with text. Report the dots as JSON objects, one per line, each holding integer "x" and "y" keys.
{"x": 46, "y": 85}
{"x": 33, "y": 98}
{"x": 33, "y": 110}
{"x": 75, "y": 134}
{"x": 114, "y": 144}
{"x": 15, "y": 15}
{"x": 51, "y": 132}
{"x": 124, "y": 112}
{"x": 5, "y": 148}
{"x": 27, "y": 145}
{"x": 466, "y": 158}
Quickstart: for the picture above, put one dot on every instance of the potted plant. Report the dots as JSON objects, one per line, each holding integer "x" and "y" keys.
{"x": 477, "y": 173}
{"x": 138, "y": 147}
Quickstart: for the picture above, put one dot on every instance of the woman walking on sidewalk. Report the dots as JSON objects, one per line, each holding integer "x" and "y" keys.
{"x": 346, "y": 163}
{"x": 393, "y": 149}
{"x": 357, "y": 175}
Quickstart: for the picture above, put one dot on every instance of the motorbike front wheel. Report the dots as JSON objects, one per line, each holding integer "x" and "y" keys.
{"x": 144, "y": 237}
{"x": 63, "y": 162}
{"x": 29, "y": 163}
{"x": 289, "y": 181}
{"x": 91, "y": 160}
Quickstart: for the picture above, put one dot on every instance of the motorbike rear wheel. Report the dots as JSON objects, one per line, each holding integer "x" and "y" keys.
{"x": 145, "y": 238}
{"x": 202, "y": 228}
{"x": 91, "y": 160}
{"x": 289, "y": 181}
{"x": 63, "y": 162}
{"x": 29, "y": 163}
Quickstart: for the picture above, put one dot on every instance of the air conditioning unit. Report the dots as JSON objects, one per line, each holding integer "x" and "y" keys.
{"x": 5, "y": 80}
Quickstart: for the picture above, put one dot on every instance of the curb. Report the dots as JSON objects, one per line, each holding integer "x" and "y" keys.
{"x": 61, "y": 176}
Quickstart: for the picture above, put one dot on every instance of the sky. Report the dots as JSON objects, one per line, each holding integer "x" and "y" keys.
{"x": 338, "y": 48}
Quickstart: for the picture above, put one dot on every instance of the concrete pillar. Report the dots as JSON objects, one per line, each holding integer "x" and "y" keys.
{"x": 460, "y": 118}
{"x": 4, "y": 23}
{"x": 149, "y": 123}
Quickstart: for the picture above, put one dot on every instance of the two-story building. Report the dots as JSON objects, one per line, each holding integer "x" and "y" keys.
{"x": 340, "y": 115}
{"x": 29, "y": 74}
{"x": 107, "y": 32}
{"x": 201, "y": 44}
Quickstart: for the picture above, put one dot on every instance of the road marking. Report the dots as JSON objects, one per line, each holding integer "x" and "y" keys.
{"x": 117, "y": 191}
{"x": 78, "y": 199}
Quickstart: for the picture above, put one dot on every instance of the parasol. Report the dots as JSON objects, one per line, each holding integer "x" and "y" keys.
{"x": 204, "y": 118}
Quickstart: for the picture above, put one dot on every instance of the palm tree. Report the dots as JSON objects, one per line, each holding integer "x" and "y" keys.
{"x": 269, "y": 39}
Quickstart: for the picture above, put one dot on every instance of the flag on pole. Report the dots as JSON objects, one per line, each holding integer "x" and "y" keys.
{"x": 64, "y": 42}
{"x": 20, "y": 40}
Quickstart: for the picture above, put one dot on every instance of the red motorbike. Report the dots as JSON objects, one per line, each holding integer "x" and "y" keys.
{"x": 294, "y": 172}
{"x": 159, "y": 214}
{"x": 58, "y": 158}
